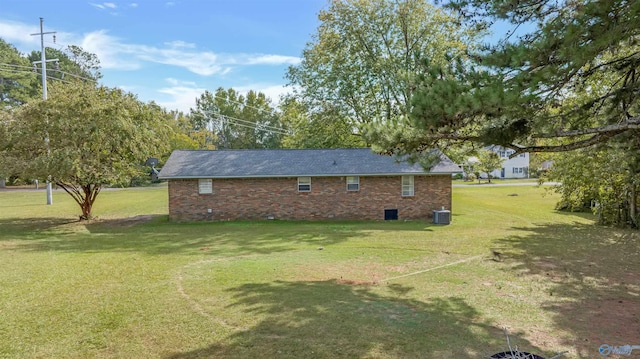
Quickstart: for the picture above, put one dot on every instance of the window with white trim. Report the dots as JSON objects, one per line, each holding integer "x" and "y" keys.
{"x": 304, "y": 184}
{"x": 353, "y": 183}
{"x": 205, "y": 186}
{"x": 518, "y": 170}
{"x": 407, "y": 186}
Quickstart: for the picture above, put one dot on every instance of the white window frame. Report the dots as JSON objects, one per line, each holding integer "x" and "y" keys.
{"x": 408, "y": 188}
{"x": 353, "y": 183}
{"x": 304, "y": 184}
{"x": 205, "y": 186}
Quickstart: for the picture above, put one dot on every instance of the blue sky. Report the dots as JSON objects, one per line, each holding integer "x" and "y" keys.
{"x": 172, "y": 51}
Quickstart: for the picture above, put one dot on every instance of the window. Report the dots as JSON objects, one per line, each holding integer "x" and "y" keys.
{"x": 205, "y": 186}
{"x": 518, "y": 170}
{"x": 407, "y": 186}
{"x": 304, "y": 184}
{"x": 353, "y": 183}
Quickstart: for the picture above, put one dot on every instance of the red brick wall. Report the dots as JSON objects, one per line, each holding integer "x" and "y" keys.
{"x": 259, "y": 198}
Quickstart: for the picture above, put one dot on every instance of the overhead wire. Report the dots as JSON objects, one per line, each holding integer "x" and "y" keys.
{"x": 54, "y": 70}
{"x": 236, "y": 121}
{"x": 36, "y": 74}
{"x": 249, "y": 124}
{"x": 241, "y": 120}
{"x": 60, "y": 47}
{"x": 271, "y": 111}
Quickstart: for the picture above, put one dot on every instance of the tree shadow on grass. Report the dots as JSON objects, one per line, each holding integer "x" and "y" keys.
{"x": 329, "y": 319}
{"x": 155, "y": 235}
{"x": 591, "y": 273}
{"x": 30, "y": 228}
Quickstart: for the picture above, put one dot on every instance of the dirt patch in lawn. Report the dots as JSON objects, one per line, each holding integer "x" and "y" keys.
{"x": 586, "y": 278}
{"x": 128, "y": 221}
{"x": 614, "y": 321}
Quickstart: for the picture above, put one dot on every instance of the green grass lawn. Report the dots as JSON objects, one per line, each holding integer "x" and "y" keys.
{"x": 497, "y": 181}
{"x": 133, "y": 285}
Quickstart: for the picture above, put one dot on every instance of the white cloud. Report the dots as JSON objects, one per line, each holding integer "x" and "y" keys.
{"x": 19, "y": 34}
{"x": 272, "y": 60}
{"x": 180, "y": 44}
{"x": 114, "y": 53}
{"x": 133, "y": 4}
{"x": 272, "y": 91}
{"x": 117, "y": 54}
{"x": 183, "y": 96}
{"x": 176, "y": 82}
{"x": 104, "y": 6}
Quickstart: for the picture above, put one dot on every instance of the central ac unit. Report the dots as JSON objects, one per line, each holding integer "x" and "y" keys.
{"x": 442, "y": 217}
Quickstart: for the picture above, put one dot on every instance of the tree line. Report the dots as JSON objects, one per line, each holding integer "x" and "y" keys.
{"x": 402, "y": 77}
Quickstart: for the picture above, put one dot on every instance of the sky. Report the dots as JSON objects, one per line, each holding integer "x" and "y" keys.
{"x": 170, "y": 52}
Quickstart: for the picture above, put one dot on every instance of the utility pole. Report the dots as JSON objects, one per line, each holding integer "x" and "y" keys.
{"x": 43, "y": 61}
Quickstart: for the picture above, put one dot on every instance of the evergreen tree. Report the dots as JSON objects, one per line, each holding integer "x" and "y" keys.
{"x": 521, "y": 92}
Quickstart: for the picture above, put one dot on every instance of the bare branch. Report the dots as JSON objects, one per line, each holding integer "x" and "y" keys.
{"x": 600, "y": 137}
{"x": 630, "y": 124}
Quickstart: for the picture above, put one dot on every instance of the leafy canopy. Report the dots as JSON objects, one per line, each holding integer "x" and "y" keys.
{"x": 84, "y": 137}
{"x": 17, "y": 83}
{"x": 237, "y": 121}
{"x": 361, "y": 64}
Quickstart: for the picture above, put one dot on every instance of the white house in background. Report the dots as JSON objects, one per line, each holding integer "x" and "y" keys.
{"x": 517, "y": 167}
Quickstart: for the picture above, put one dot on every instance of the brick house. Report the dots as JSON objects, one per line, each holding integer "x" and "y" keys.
{"x": 307, "y": 184}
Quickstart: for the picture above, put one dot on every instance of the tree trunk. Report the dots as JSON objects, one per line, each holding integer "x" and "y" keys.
{"x": 633, "y": 206}
{"x": 84, "y": 195}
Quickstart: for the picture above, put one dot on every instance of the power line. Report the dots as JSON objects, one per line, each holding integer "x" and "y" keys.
{"x": 248, "y": 123}
{"x": 20, "y": 66}
{"x": 57, "y": 71}
{"x": 252, "y": 125}
{"x": 35, "y": 74}
{"x": 271, "y": 111}
{"x": 238, "y": 119}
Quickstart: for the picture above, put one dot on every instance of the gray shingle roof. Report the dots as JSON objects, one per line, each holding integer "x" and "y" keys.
{"x": 290, "y": 163}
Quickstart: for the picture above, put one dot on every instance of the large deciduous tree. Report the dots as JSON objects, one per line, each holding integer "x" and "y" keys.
{"x": 73, "y": 64}
{"x": 17, "y": 83}
{"x": 315, "y": 129}
{"x": 237, "y": 121}
{"x": 606, "y": 178}
{"x": 84, "y": 137}
{"x": 362, "y": 61}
